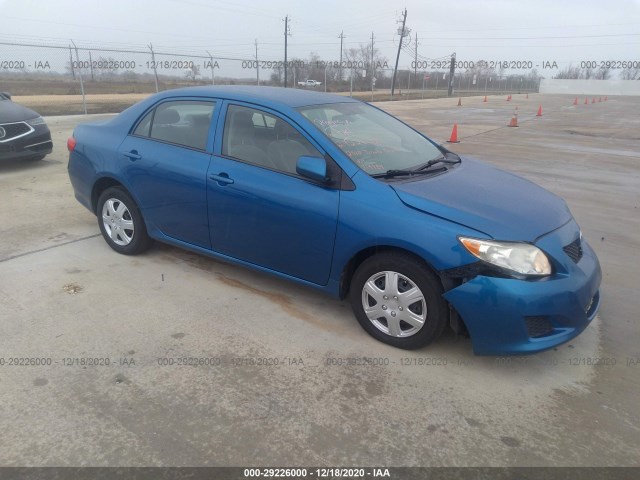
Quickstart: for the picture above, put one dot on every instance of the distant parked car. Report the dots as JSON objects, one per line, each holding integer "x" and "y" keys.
{"x": 338, "y": 195}
{"x": 309, "y": 83}
{"x": 23, "y": 132}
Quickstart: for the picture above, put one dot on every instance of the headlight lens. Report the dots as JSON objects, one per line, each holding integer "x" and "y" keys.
{"x": 36, "y": 121}
{"x": 521, "y": 258}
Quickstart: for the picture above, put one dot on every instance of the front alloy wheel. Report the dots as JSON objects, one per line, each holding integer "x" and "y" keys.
{"x": 398, "y": 300}
{"x": 394, "y": 304}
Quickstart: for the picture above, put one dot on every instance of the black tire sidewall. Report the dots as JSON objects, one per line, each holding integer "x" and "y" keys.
{"x": 426, "y": 281}
{"x": 141, "y": 239}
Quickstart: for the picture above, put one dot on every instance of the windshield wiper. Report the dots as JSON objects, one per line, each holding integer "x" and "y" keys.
{"x": 423, "y": 169}
{"x": 430, "y": 163}
{"x": 400, "y": 173}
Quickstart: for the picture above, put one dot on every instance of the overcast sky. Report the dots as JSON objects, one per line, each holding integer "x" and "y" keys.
{"x": 566, "y": 32}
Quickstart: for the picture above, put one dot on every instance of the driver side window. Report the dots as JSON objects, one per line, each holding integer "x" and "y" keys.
{"x": 256, "y": 137}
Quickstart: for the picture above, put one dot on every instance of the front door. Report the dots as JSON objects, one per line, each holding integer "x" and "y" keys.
{"x": 260, "y": 210}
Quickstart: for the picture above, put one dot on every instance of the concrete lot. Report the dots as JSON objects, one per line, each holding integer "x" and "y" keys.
{"x": 64, "y": 294}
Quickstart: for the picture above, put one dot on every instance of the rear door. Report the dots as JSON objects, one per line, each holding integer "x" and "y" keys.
{"x": 167, "y": 156}
{"x": 260, "y": 210}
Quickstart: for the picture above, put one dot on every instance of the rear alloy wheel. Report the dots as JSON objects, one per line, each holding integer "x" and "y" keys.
{"x": 120, "y": 222}
{"x": 398, "y": 300}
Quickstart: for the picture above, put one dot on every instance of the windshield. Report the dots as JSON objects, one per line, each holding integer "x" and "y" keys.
{"x": 374, "y": 140}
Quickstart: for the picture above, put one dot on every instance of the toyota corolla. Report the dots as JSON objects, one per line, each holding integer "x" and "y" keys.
{"x": 338, "y": 195}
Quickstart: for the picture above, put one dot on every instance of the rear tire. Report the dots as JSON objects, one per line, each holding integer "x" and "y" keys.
{"x": 121, "y": 222}
{"x": 398, "y": 300}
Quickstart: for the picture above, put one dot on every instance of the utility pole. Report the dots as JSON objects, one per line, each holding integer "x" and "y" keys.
{"x": 211, "y": 64}
{"x": 415, "y": 62}
{"x": 257, "y": 64}
{"x": 373, "y": 68}
{"x": 325, "y": 78}
{"x": 153, "y": 62}
{"x": 402, "y": 35}
{"x": 341, "y": 37}
{"x": 286, "y": 34}
{"x": 452, "y": 71}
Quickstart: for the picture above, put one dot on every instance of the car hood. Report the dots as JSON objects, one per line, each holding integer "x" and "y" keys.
{"x": 12, "y": 112}
{"x": 497, "y": 203}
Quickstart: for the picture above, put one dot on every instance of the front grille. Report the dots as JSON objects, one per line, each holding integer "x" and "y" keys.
{"x": 12, "y": 130}
{"x": 574, "y": 250}
{"x": 538, "y": 326}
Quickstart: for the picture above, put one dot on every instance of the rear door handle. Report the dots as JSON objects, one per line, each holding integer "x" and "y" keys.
{"x": 221, "y": 178}
{"x": 133, "y": 155}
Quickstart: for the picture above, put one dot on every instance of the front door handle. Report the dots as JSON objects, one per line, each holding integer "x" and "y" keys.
{"x": 221, "y": 178}
{"x": 133, "y": 155}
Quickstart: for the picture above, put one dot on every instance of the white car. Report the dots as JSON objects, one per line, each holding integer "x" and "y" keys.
{"x": 309, "y": 83}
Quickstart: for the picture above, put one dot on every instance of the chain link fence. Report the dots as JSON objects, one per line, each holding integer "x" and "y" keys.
{"x": 72, "y": 79}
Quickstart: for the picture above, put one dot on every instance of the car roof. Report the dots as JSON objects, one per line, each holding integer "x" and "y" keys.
{"x": 268, "y": 96}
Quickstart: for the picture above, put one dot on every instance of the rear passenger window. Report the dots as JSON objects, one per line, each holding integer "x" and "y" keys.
{"x": 184, "y": 122}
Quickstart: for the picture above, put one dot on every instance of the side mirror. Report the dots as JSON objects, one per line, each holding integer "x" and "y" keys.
{"x": 314, "y": 168}
{"x": 6, "y": 94}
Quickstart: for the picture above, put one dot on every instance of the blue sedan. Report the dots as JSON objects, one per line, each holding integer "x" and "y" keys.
{"x": 336, "y": 194}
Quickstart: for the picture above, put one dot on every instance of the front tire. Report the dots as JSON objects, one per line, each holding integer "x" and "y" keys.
{"x": 121, "y": 223}
{"x": 398, "y": 300}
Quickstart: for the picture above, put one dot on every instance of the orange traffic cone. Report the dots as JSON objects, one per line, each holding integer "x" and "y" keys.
{"x": 575, "y": 102}
{"x": 485, "y": 99}
{"x": 454, "y": 134}
{"x": 586, "y": 101}
{"x": 509, "y": 98}
{"x": 514, "y": 119}
{"x": 605, "y": 98}
{"x": 459, "y": 101}
{"x": 593, "y": 100}
{"x": 539, "y": 114}
{"x": 527, "y": 97}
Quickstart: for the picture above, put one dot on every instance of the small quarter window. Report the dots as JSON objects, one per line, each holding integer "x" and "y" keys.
{"x": 144, "y": 127}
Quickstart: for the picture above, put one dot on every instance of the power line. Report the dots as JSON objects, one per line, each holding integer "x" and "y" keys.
{"x": 94, "y": 27}
{"x": 453, "y": 45}
{"x": 564, "y": 27}
{"x": 542, "y": 38}
{"x": 247, "y": 11}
